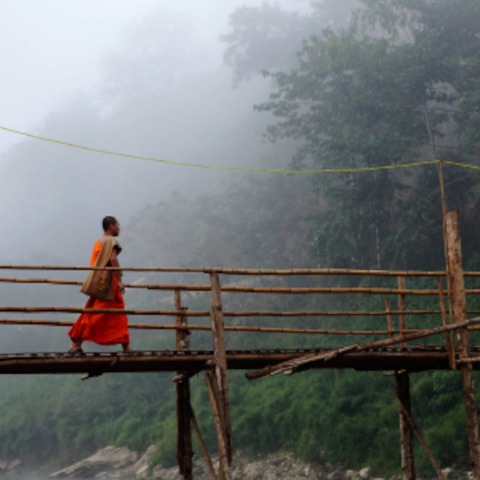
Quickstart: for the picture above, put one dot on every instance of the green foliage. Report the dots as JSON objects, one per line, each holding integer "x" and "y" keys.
{"x": 363, "y": 99}
{"x": 166, "y": 444}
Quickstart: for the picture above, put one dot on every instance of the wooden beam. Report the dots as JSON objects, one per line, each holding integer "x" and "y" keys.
{"x": 408, "y": 417}
{"x": 304, "y": 360}
{"x": 220, "y": 427}
{"x": 203, "y": 447}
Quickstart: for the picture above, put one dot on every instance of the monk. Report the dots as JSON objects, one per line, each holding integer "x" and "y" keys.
{"x": 104, "y": 328}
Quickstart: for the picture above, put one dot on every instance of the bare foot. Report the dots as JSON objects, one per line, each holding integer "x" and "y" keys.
{"x": 126, "y": 348}
{"x": 74, "y": 346}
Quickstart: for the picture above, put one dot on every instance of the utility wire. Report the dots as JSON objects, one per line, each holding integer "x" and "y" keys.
{"x": 225, "y": 168}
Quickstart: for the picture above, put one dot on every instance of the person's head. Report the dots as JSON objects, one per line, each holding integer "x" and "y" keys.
{"x": 111, "y": 226}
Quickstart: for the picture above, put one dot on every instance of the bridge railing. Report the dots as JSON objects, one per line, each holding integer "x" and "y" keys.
{"x": 312, "y": 302}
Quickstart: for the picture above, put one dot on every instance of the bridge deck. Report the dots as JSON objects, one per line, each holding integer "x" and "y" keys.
{"x": 414, "y": 358}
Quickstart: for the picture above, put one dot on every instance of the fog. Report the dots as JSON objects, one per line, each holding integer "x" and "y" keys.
{"x": 145, "y": 78}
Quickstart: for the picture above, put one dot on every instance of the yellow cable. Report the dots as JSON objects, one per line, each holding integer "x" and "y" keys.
{"x": 214, "y": 167}
{"x": 463, "y": 165}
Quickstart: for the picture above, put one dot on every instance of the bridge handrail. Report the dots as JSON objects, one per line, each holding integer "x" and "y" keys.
{"x": 244, "y": 271}
{"x": 400, "y": 313}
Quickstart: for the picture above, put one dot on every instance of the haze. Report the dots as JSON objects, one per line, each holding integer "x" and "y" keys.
{"x": 143, "y": 77}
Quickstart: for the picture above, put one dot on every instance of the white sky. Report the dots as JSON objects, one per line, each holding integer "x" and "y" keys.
{"x": 52, "y": 49}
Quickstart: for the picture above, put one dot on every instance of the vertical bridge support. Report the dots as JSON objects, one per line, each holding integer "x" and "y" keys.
{"x": 458, "y": 299}
{"x": 406, "y": 432}
{"x": 217, "y": 384}
{"x": 184, "y": 412}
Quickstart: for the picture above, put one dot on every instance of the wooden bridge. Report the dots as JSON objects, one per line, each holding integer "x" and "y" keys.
{"x": 400, "y": 335}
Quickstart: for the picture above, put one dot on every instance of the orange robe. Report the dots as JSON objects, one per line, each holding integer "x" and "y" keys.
{"x": 102, "y": 328}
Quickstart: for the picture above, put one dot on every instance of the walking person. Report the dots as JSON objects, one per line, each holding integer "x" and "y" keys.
{"x": 105, "y": 289}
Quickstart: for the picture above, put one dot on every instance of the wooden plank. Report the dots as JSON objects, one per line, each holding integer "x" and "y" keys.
{"x": 430, "y": 358}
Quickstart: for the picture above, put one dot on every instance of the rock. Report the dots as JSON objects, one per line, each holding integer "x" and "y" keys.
{"x": 141, "y": 467}
{"x": 352, "y": 475}
{"x": 121, "y": 463}
{"x": 110, "y": 462}
{"x": 364, "y": 473}
{"x": 8, "y": 468}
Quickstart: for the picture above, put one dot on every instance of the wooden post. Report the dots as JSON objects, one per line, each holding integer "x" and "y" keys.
{"x": 184, "y": 412}
{"x": 406, "y": 432}
{"x": 448, "y": 335}
{"x": 389, "y": 317}
{"x": 458, "y": 301}
{"x": 401, "y": 307}
{"x": 217, "y": 382}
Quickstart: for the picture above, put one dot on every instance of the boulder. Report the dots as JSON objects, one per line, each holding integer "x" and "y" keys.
{"x": 109, "y": 462}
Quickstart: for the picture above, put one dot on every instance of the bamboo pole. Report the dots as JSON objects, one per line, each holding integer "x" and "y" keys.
{"x": 88, "y": 310}
{"x": 467, "y": 360}
{"x": 201, "y": 313}
{"x": 304, "y": 290}
{"x": 458, "y": 300}
{"x": 137, "y": 326}
{"x": 244, "y": 289}
{"x": 340, "y": 313}
{"x": 39, "y": 280}
{"x": 238, "y": 271}
{"x": 292, "y": 365}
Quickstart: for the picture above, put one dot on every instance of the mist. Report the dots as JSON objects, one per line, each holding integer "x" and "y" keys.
{"x": 161, "y": 84}
{"x": 162, "y": 91}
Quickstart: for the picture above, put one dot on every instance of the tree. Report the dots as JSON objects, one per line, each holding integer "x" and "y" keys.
{"x": 386, "y": 90}
{"x": 268, "y": 37}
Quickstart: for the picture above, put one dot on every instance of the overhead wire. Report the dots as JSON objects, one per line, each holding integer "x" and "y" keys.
{"x": 231, "y": 168}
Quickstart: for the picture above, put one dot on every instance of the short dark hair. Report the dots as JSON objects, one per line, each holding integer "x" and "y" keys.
{"x": 107, "y": 221}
